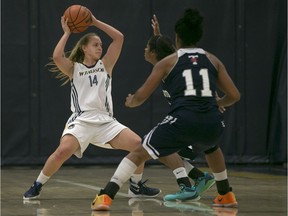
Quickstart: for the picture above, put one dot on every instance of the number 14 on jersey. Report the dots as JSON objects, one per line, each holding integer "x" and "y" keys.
{"x": 93, "y": 80}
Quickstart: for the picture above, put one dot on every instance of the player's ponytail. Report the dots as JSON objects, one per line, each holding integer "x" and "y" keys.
{"x": 189, "y": 28}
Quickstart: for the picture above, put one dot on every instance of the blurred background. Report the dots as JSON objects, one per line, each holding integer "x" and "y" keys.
{"x": 249, "y": 37}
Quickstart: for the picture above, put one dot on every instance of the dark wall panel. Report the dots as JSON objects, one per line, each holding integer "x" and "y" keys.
{"x": 15, "y": 83}
{"x": 265, "y": 47}
{"x": 250, "y": 37}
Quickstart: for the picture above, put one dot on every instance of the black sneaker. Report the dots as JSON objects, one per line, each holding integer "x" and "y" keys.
{"x": 141, "y": 190}
{"x": 33, "y": 192}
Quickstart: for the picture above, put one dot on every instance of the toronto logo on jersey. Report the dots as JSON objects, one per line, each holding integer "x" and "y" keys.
{"x": 194, "y": 59}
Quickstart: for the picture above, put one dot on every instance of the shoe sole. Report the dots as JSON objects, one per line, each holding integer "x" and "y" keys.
{"x": 101, "y": 207}
{"x": 184, "y": 200}
{"x": 31, "y": 198}
{"x": 230, "y": 205}
{"x": 189, "y": 200}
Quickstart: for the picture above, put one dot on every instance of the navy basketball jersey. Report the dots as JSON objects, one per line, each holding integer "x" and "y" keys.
{"x": 191, "y": 82}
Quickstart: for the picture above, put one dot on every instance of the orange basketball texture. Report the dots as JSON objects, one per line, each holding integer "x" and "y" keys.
{"x": 79, "y": 18}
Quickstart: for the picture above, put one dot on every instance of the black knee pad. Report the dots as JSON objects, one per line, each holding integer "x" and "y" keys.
{"x": 211, "y": 150}
{"x": 187, "y": 153}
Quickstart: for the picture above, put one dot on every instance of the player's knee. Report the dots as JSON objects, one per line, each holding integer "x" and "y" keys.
{"x": 187, "y": 153}
{"x": 141, "y": 153}
{"x": 63, "y": 153}
{"x": 60, "y": 155}
{"x": 136, "y": 142}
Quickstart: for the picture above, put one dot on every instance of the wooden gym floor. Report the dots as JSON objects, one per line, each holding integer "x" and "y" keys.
{"x": 71, "y": 190}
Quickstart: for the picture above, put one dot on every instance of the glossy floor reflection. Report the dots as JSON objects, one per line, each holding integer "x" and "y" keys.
{"x": 72, "y": 189}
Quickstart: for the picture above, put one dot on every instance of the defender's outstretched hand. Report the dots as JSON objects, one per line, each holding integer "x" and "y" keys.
{"x": 128, "y": 101}
{"x": 155, "y": 25}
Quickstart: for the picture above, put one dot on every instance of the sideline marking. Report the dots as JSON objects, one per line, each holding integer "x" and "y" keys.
{"x": 88, "y": 186}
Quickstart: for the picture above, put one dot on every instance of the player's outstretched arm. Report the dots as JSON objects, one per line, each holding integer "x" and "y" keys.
{"x": 155, "y": 25}
{"x": 114, "y": 49}
{"x": 64, "y": 64}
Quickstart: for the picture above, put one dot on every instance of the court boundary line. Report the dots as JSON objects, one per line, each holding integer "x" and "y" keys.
{"x": 88, "y": 186}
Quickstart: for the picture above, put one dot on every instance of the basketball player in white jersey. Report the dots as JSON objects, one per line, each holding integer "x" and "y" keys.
{"x": 92, "y": 118}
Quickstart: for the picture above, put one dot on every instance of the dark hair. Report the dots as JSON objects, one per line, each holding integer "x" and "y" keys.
{"x": 161, "y": 45}
{"x": 189, "y": 28}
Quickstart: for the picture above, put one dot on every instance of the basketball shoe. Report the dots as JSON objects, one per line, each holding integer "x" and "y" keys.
{"x": 141, "y": 190}
{"x": 226, "y": 200}
{"x": 33, "y": 192}
{"x": 202, "y": 184}
{"x": 101, "y": 203}
{"x": 184, "y": 194}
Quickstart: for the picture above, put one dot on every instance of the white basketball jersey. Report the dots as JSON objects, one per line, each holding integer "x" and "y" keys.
{"x": 91, "y": 89}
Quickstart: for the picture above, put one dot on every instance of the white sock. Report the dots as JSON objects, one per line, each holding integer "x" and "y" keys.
{"x": 188, "y": 166}
{"x": 180, "y": 172}
{"x": 136, "y": 178}
{"x": 124, "y": 171}
{"x": 220, "y": 176}
{"x": 42, "y": 178}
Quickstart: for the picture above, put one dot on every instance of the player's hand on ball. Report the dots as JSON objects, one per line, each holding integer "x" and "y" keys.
{"x": 94, "y": 20}
{"x": 64, "y": 25}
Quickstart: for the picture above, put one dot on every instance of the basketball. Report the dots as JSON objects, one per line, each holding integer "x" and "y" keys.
{"x": 79, "y": 18}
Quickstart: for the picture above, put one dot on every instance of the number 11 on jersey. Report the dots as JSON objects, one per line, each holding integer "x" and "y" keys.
{"x": 190, "y": 90}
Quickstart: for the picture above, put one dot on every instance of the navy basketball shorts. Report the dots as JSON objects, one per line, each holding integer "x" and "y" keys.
{"x": 184, "y": 128}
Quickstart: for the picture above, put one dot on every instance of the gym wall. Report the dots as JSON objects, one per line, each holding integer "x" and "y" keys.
{"x": 250, "y": 37}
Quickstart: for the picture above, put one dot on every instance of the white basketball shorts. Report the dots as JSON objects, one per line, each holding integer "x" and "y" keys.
{"x": 98, "y": 134}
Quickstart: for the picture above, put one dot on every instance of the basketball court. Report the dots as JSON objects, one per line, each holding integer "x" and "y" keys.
{"x": 71, "y": 190}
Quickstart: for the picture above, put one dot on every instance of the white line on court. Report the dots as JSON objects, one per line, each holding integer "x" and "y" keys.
{"x": 87, "y": 186}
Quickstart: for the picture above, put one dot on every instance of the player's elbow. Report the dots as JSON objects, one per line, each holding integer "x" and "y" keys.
{"x": 236, "y": 96}
{"x": 56, "y": 57}
{"x": 119, "y": 38}
{"x": 232, "y": 98}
